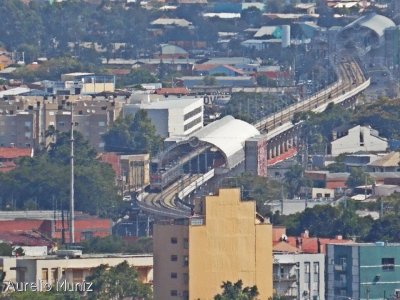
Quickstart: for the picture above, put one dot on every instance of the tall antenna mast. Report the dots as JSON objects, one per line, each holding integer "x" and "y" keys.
{"x": 72, "y": 218}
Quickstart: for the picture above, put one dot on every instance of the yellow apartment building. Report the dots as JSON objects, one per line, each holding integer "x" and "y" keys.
{"x": 227, "y": 241}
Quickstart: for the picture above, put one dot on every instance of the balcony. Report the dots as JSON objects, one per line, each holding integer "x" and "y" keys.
{"x": 285, "y": 277}
{"x": 340, "y": 267}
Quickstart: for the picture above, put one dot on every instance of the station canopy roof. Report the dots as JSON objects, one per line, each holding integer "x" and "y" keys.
{"x": 228, "y": 135}
{"x": 376, "y": 23}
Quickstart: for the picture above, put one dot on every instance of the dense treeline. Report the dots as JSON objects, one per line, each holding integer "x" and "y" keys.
{"x": 328, "y": 221}
{"x": 43, "y": 182}
{"x": 43, "y": 29}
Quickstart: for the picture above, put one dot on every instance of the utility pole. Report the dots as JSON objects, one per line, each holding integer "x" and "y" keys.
{"x": 72, "y": 204}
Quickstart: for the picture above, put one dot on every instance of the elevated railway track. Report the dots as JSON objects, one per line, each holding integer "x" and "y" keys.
{"x": 351, "y": 81}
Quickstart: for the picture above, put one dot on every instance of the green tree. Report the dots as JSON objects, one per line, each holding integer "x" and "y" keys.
{"x": 117, "y": 282}
{"x": 317, "y": 129}
{"x": 235, "y": 291}
{"x": 329, "y": 221}
{"x": 358, "y": 177}
{"x": 209, "y": 80}
{"x": 257, "y": 188}
{"x": 263, "y": 80}
{"x": 5, "y": 249}
{"x": 43, "y": 180}
{"x": 386, "y": 229}
{"x": 133, "y": 135}
{"x": 136, "y": 77}
{"x": 295, "y": 180}
{"x": 115, "y": 244}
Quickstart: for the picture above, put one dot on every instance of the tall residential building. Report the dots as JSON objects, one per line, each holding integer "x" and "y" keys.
{"x": 227, "y": 242}
{"x": 363, "y": 271}
{"x": 299, "y": 275}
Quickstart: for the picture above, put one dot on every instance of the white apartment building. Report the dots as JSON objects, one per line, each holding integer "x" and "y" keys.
{"x": 172, "y": 117}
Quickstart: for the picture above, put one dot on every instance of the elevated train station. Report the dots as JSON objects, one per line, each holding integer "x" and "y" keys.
{"x": 219, "y": 146}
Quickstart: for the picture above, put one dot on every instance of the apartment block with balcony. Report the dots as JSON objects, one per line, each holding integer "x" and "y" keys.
{"x": 226, "y": 242}
{"x": 363, "y": 271}
{"x": 299, "y": 275}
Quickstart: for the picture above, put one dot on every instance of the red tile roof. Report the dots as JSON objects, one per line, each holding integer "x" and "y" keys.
{"x": 12, "y": 152}
{"x": 24, "y": 238}
{"x": 310, "y": 244}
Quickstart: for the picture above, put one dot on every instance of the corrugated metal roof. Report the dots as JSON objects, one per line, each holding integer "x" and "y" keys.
{"x": 390, "y": 160}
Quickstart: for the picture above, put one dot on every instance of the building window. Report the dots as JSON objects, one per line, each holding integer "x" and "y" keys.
{"x": 185, "y": 295}
{"x": 61, "y": 124}
{"x": 174, "y": 240}
{"x": 316, "y": 272}
{"x": 316, "y": 268}
{"x": 185, "y": 278}
{"x": 28, "y": 135}
{"x": 388, "y": 264}
{"x": 45, "y": 275}
{"x": 307, "y": 274}
{"x": 185, "y": 261}
{"x": 174, "y": 275}
{"x": 87, "y": 235}
{"x": 192, "y": 113}
{"x": 102, "y": 124}
{"x": 54, "y": 275}
{"x": 77, "y": 276}
{"x": 174, "y": 293}
{"x": 174, "y": 257}
{"x": 192, "y": 123}
{"x": 185, "y": 243}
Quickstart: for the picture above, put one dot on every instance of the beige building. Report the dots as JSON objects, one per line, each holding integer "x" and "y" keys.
{"x": 74, "y": 270}
{"x": 135, "y": 171}
{"x": 194, "y": 256}
{"x": 24, "y": 120}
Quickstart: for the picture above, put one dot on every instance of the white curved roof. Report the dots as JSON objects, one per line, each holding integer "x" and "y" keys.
{"x": 172, "y": 49}
{"x": 228, "y": 135}
{"x": 375, "y": 22}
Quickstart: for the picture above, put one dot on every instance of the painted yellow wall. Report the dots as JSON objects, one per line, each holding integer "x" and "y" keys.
{"x": 231, "y": 246}
{"x": 93, "y": 88}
